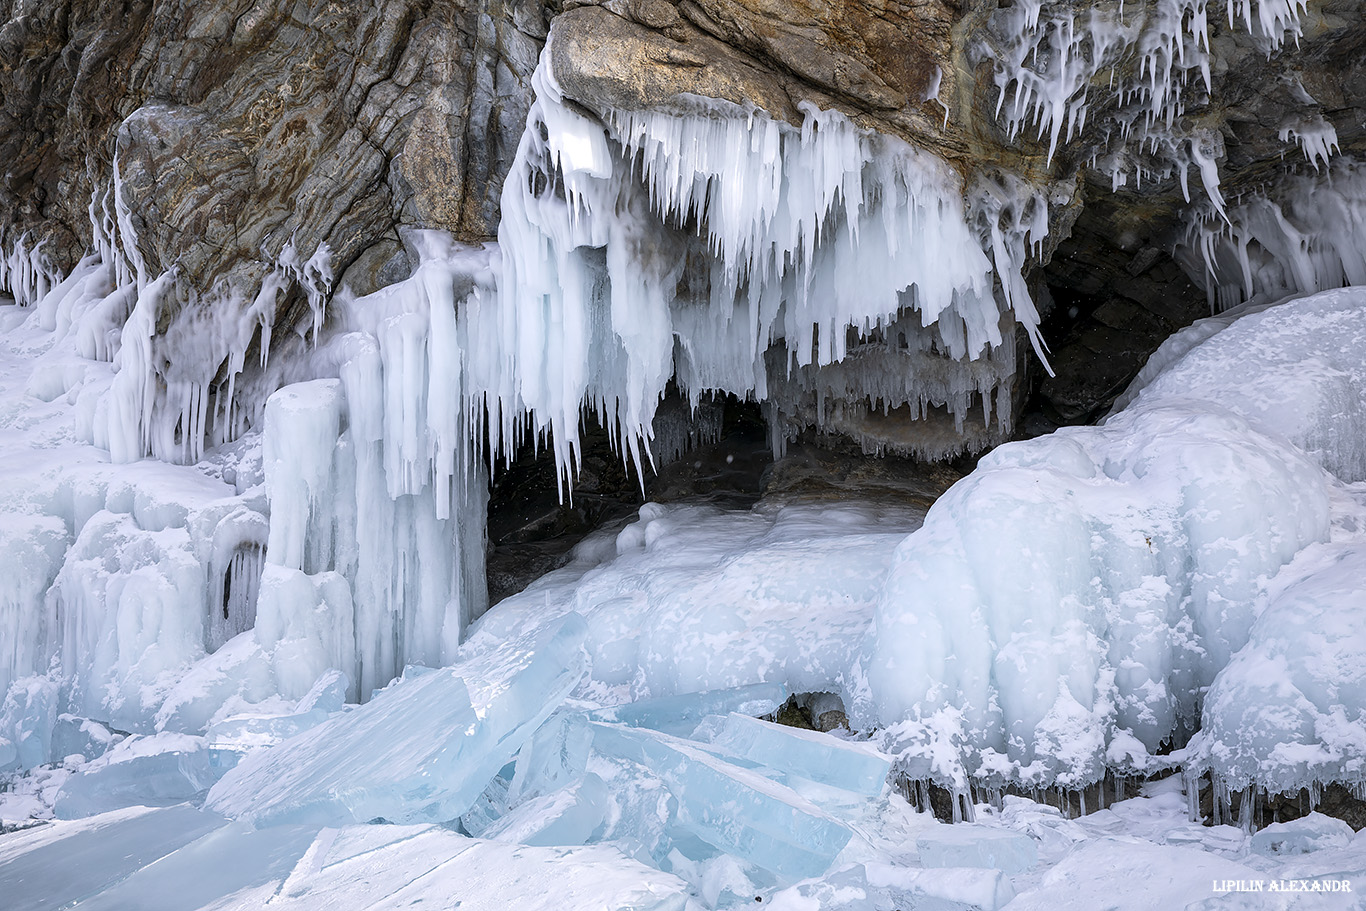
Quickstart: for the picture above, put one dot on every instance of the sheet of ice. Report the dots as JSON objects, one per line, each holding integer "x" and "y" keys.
{"x": 976, "y": 845}
{"x": 59, "y": 864}
{"x": 1128, "y": 874}
{"x": 422, "y": 749}
{"x": 224, "y": 862}
{"x": 570, "y": 816}
{"x": 554, "y": 757}
{"x": 153, "y": 771}
{"x": 884, "y": 887}
{"x": 811, "y": 755}
{"x": 388, "y": 868}
{"x": 736, "y": 810}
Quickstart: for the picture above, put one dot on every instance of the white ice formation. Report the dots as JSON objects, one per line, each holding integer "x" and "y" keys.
{"x": 730, "y": 251}
{"x": 1171, "y": 589}
{"x": 1303, "y": 235}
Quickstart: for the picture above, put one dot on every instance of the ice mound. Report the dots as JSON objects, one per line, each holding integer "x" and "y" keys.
{"x": 693, "y": 598}
{"x": 1289, "y": 710}
{"x": 1084, "y": 583}
{"x": 1308, "y": 378}
{"x": 1063, "y": 608}
{"x": 422, "y": 750}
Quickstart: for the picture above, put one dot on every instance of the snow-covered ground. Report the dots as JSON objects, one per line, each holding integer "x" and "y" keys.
{"x": 1082, "y": 602}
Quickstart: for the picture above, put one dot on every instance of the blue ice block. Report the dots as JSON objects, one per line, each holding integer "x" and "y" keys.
{"x": 679, "y": 715}
{"x": 811, "y": 755}
{"x": 422, "y": 750}
{"x": 554, "y": 757}
{"x": 736, "y": 810}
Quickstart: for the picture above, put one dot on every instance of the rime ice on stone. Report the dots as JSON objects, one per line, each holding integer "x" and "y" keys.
{"x": 422, "y": 749}
{"x": 1131, "y": 71}
{"x": 1302, "y": 236}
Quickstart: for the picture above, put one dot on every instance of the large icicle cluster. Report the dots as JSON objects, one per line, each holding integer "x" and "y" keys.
{"x": 1132, "y": 70}
{"x": 1303, "y": 235}
{"x": 152, "y": 596}
{"x": 685, "y": 244}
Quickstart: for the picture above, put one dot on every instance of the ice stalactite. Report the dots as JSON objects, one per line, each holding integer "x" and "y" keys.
{"x": 1304, "y": 235}
{"x": 375, "y": 554}
{"x": 1131, "y": 71}
{"x": 27, "y": 272}
{"x": 685, "y": 245}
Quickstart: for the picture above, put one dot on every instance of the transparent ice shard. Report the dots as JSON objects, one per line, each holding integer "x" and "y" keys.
{"x": 811, "y": 755}
{"x": 736, "y": 810}
{"x": 423, "y": 749}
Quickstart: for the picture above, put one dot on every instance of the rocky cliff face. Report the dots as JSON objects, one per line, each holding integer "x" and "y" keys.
{"x": 222, "y": 138}
{"x": 239, "y": 127}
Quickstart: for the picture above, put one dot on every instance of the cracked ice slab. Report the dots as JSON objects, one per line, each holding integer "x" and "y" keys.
{"x": 734, "y": 809}
{"x": 811, "y": 755}
{"x": 680, "y": 714}
{"x": 422, "y": 750}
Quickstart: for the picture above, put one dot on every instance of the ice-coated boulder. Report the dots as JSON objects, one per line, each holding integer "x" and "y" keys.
{"x": 1302, "y": 836}
{"x": 422, "y": 750}
{"x": 970, "y": 845}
